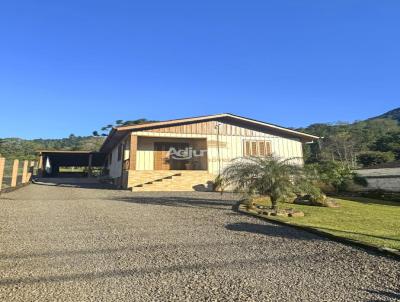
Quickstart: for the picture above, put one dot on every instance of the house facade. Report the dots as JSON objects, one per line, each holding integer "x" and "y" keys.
{"x": 187, "y": 154}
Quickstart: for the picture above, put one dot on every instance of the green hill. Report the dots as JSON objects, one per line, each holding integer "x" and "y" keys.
{"x": 26, "y": 149}
{"x": 373, "y": 141}
{"x": 363, "y": 143}
{"x": 392, "y": 114}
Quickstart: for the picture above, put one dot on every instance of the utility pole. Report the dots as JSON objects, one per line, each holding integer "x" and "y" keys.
{"x": 218, "y": 150}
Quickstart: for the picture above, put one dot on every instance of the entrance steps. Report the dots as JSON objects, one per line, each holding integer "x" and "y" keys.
{"x": 177, "y": 180}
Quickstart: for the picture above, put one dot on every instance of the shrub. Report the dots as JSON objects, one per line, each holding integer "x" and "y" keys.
{"x": 331, "y": 173}
{"x": 371, "y": 158}
{"x": 332, "y": 177}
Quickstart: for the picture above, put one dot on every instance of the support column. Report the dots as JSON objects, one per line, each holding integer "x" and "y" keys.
{"x": 132, "y": 152}
{"x": 14, "y": 174}
{"x": 25, "y": 172}
{"x": 129, "y": 164}
{"x": 2, "y": 164}
{"x": 90, "y": 165}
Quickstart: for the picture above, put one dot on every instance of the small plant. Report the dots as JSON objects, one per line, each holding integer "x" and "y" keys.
{"x": 276, "y": 178}
{"x": 218, "y": 184}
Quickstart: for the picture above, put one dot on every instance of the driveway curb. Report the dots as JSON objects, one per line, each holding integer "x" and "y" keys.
{"x": 384, "y": 251}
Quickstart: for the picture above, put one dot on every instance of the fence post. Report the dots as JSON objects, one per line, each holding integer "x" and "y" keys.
{"x": 25, "y": 172}
{"x": 30, "y": 171}
{"x": 40, "y": 166}
{"x": 14, "y": 173}
{"x": 2, "y": 164}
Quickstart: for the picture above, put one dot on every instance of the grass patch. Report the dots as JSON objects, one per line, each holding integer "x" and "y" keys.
{"x": 367, "y": 220}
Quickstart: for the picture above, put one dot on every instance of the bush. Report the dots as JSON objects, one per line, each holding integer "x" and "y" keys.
{"x": 331, "y": 173}
{"x": 371, "y": 158}
{"x": 218, "y": 184}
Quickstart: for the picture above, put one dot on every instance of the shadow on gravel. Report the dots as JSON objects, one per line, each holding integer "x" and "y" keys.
{"x": 180, "y": 201}
{"x": 239, "y": 264}
{"x": 393, "y": 295}
{"x": 83, "y": 183}
{"x": 104, "y": 251}
{"x": 272, "y": 230}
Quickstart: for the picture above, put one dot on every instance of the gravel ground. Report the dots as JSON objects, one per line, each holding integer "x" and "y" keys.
{"x": 60, "y": 243}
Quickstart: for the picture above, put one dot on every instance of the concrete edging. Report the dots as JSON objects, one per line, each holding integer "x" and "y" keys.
{"x": 384, "y": 251}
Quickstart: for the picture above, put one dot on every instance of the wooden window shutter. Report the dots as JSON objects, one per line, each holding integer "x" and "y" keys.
{"x": 261, "y": 149}
{"x": 269, "y": 148}
{"x": 246, "y": 148}
{"x": 254, "y": 148}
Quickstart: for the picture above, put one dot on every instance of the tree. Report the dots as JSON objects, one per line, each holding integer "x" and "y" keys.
{"x": 279, "y": 179}
{"x": 344, "y": 142}
{"x": 389, "y": 142}
{"x": 138, "y": 122}
{"x": 371, "y": 158}
{"x": 104, "y": 131}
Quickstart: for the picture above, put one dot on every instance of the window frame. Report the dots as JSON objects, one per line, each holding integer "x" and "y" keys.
{"x": 257, "y": 148}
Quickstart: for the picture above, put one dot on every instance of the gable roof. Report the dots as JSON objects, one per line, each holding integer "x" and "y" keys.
{"x": 117, "y": 133}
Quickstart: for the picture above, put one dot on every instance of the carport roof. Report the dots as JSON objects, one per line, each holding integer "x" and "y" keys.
{"x": 65, "y": 151}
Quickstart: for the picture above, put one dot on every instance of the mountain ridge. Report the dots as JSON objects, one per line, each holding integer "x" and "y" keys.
{"x": 364, "y": 134}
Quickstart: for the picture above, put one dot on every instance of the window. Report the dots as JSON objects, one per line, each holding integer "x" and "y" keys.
{"x": 110, "y": 158}
{"x": 120, "y": 147}
{"x": 256, "y": 148}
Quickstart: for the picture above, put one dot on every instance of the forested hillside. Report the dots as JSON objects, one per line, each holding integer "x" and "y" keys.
{"x": 363, "y": 143}
{"x": 26, "y": 149}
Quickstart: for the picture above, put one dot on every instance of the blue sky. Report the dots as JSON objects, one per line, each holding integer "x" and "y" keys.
{"x": 74, "y": 66}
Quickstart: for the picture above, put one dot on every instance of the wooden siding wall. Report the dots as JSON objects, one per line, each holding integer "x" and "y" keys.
{"x": 115, "y": 166}
{"x": 230, "y": 140}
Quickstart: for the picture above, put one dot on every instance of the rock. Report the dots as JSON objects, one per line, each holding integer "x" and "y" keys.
{"x": 252, "y": 211}
{"x": 332, "y": 204}
{"x": 296, "y": 214}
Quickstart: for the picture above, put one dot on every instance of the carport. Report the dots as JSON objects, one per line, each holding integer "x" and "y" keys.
{"x": 56, "y": 163}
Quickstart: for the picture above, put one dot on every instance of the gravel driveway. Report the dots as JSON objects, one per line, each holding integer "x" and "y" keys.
{"x": 86, "y": 244}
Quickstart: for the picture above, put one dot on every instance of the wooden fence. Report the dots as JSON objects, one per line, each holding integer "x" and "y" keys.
{"x": 15, "y": 173}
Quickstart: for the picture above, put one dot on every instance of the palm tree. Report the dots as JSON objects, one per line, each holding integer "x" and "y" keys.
{"x": 278, "y": 179}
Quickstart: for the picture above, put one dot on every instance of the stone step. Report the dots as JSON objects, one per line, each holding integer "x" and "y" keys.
{"x": 183, "y": 182}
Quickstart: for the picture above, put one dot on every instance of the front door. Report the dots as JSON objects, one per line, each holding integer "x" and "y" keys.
{"x": 162, "y": 158}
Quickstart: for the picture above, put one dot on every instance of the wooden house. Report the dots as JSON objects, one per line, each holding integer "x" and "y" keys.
{"x": 187, "y": 154}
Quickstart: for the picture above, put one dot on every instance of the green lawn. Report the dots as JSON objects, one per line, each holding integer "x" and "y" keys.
{"x": 371, "y": 221}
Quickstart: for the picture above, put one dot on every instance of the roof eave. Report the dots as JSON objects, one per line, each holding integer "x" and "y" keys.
{"x": 304, "y": 137}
